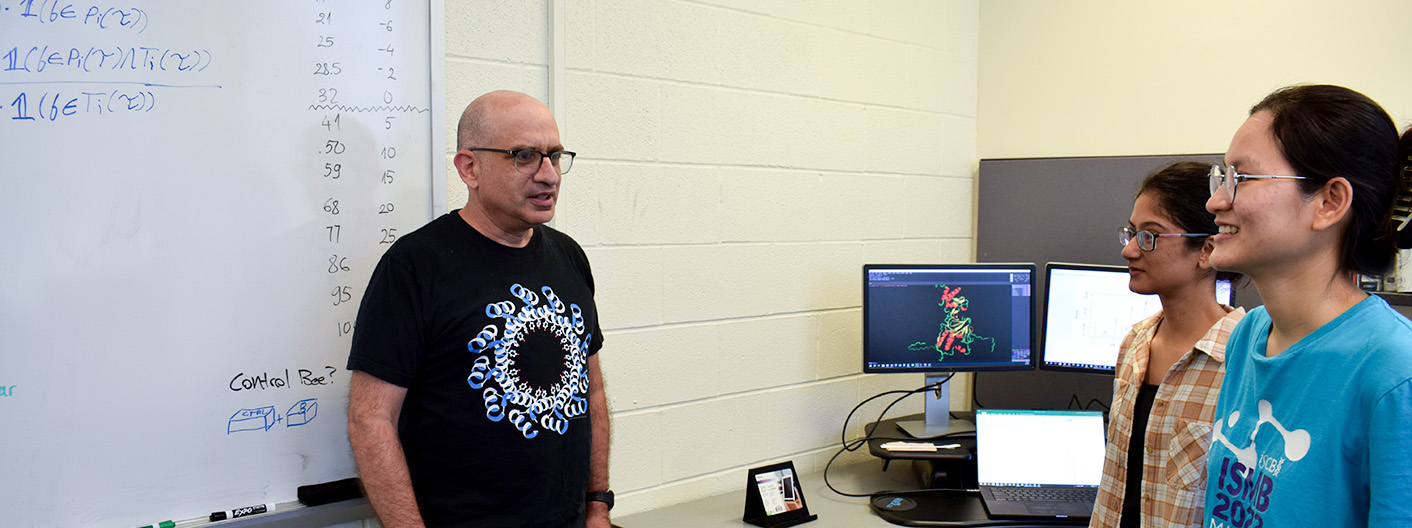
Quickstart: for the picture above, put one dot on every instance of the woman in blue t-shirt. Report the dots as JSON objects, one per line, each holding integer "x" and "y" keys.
{"x": 1314, "y": 418}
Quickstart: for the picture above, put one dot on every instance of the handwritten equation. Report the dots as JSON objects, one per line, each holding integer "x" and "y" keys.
{"x": 48, "y": 82}
{"x": 92, "y": 16}
{"x": 52, "y": 106}
{"x": 265, "y": 418}
{"x": 42, "y": 59}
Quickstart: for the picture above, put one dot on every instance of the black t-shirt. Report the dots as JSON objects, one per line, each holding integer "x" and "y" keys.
{"x": 1137, "y": 441}
{"x": 492, "y": 344}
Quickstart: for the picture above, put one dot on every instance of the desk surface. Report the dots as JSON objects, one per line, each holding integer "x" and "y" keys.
{"x": 833, "y": 509}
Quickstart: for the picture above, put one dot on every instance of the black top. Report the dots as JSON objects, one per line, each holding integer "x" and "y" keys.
{"x": 1132, "y": 492}
{"x": 492, "y": 344}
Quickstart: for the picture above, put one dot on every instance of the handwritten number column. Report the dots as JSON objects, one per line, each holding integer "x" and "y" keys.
{"x": 332, "y": 148}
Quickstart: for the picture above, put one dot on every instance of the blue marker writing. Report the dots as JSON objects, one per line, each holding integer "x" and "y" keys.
{"x": 241, "y": 512}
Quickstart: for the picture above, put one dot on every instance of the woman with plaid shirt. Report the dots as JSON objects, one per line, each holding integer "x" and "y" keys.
{"x": 1171, "y": 364}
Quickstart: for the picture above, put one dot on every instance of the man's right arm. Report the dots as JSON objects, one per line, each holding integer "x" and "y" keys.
{"x": 373, "y": 409}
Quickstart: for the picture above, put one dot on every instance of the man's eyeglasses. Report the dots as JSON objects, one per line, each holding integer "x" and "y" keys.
{"x": 527, "y": 160}
{"x": 1226, "y": 176}
{"x": 1147, "y": 239}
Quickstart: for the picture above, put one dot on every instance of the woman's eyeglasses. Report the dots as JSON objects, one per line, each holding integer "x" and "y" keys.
{"x": 1147, "y": 238}
{"x": 1226, "y": 176}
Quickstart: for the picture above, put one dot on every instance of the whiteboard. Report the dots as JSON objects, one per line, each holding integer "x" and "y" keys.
{"x": 194, "y": 197}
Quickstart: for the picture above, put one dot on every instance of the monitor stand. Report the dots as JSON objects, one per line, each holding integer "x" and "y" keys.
{"x": 938, "y": 420}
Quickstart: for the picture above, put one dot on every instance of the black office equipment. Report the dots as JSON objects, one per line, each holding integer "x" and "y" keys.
{"x": 330, "y": 492}
{"x": 942, "y": 507}
{"x": 1039, "y": 464}
{"x": 948, "y": 508}
{"x": 774, "y": 498}
{"x": 944, "y": 318}
{"x": 1088, "y": 310}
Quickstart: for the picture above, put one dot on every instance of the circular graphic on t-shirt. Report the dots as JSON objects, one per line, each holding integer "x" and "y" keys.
{"x": 531, "y": 362}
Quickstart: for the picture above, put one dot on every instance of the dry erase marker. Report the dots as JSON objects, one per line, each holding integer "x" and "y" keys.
{"x": 163, "y": 524}
{"x": 241, "y": 512}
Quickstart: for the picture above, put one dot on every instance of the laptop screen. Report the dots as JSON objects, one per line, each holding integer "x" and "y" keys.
{"x": 1039, "y": 448}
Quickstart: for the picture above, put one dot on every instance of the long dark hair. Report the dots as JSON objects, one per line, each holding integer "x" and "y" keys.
{"x": 1326, "y": 132}
{"x": 1180, "y": 190}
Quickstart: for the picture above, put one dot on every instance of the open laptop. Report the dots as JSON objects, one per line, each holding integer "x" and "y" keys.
{"x": 1028, "y": 461}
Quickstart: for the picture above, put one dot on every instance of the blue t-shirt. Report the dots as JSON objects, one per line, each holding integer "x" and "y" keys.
{"x": 1319, "y": 435}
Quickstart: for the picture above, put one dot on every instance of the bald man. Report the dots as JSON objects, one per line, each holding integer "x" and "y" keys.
{"x": 476, "y": 397}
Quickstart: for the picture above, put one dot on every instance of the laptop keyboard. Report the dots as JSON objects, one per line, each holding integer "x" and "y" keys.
{"x": 1024, "y": 494}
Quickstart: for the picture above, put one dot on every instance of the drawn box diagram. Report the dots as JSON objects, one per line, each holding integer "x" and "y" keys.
{"x": 302, "y": 412}
{"x": 265, "y": 418}
{"x": 262, "y": 418}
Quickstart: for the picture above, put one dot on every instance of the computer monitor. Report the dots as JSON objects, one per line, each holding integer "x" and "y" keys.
{"x": 1088, "y": 309}
{"x": 943, "y": 318}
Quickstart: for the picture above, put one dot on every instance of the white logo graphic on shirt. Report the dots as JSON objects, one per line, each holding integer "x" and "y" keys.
{"x": 531, "y": 409}
{"x": 1296, "y": 441}
{"x": 1245, "y": 487}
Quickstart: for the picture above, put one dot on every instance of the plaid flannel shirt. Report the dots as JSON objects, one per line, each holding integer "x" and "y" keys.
{"x": 1178, "y": 428}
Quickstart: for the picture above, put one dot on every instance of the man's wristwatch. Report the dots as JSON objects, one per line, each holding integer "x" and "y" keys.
{"x": 605, "y": 497}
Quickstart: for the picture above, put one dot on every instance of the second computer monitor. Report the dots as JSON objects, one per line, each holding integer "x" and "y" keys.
{"x": 1088, "y": 309}
{"x": 942, "y": 318}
